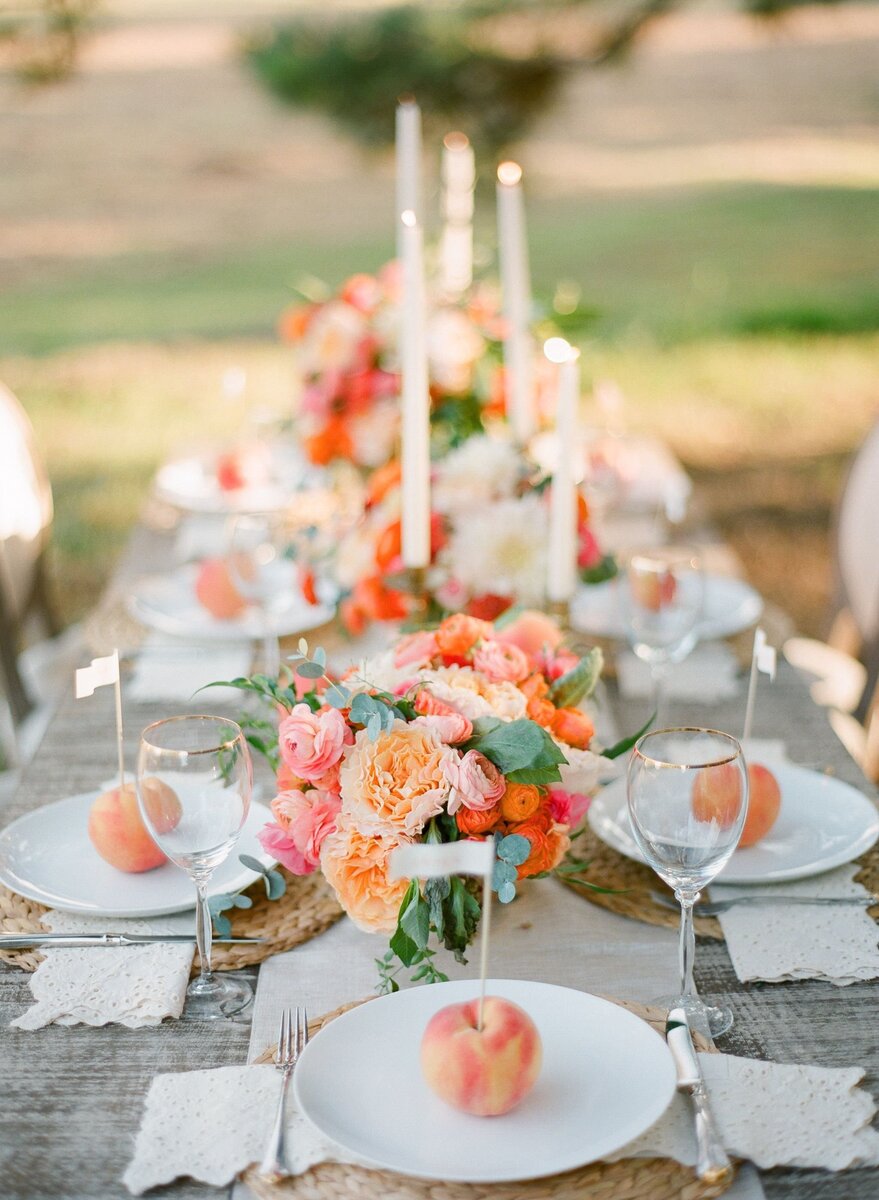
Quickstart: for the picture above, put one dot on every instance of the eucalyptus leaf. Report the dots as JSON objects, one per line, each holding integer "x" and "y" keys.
{"x": 374, "y": 726}
{"x": 310, "y": 670}
{"x": 504, "y": 872}
{"x": 337, "y": 696}
{"x": 252, "y": 864}
{"x": 320, "y": 656}
{"x": 303, "y": 647}
{"x": 514, "y": 849}
{"x": 242, "y": 901}
{"x": 222, "y": 926}
{"x": 276, "y": 885}
{"x": 506, "y": 892}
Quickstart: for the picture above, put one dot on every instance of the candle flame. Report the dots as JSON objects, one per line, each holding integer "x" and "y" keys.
{"x": 456, "y": 141}
{"x": 557, "y": 350}
{"x": 509, "y": 174}
{"x": 408, "y": 218}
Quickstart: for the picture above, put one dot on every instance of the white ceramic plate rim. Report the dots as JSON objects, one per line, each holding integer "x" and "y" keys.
{"x": 211, "y": 498}
{"x": 607, "y": 622}
{"x": 142, "y": 600}
{"x": 23, "y": 887}
{"x": 610, "y": 802}
{"x": 640, "y": 1043}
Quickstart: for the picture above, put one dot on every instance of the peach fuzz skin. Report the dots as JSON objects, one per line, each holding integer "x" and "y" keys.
{"x": 117, "y": 830}
{"x": 715, "y": 794}
{"x": 216, "y": 592}
{"x": 485, "y": 1073}
{"x": 764, "y": 804}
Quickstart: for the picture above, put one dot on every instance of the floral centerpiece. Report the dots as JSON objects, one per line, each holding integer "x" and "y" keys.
{"x": 489, "y": 536}
{"x": 469, "y": 730}
{"x": 347, "y": 355}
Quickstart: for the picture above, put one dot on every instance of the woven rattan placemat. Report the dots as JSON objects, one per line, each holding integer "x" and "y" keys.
{"x": 307, "y": 908}
{"x": 629, "y": 1179}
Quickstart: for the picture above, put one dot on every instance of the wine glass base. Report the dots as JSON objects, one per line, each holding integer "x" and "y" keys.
{"x": 217, "y": 996}
{"x": 708, "y": 1019}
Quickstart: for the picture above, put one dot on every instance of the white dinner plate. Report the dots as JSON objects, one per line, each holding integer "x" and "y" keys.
{"x": 169, "y": 604}
{"x": 191, "y": 483}
{"x": 46, "y": 855}
{"x": 822, "y": 824}
{"x": 730, "y": 605}
{"x": 606, "y": 1077}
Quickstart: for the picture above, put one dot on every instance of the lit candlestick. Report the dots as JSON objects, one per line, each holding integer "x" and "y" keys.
{"x": 456, "y": 243}
{"x": 408, "y": 148}
{"x": 561, "y": 577}
{"x": 415, "y": 399}
{"x": 516, "y": 287}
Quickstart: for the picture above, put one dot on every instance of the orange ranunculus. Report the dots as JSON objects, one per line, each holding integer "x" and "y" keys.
{"x": 471, "y": 821}
{"x": 548, "y": 846}
{"x": 460, "y": 633}
{"x": 382, "y": 481}
{"x": 293, "y": 322}
{"x": 573, "y": 727}
{"x": 353, "y": 617}
{"x": 520, "y": 801}
{"x": 582, "y": 510}
{"x": 333, "y": 441}
{"x": 306, "y": 584}
{"x": 355, "y": 863}
{"x": 536, "y": 691}
{"x": 377, "y": 602}
{"x": 389, "y": 545}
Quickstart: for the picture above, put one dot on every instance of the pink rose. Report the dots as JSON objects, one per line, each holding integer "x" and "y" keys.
{"x": 476, "y": 782}
{"x": 312, "y": 743}
{"x": 306, "y": 818}
{"x": 568, "y": 808}
{"x": 501, "y": 662}
{"x": 554, "y": 664}
{"x": 449, "y": 727}
{"x": 416, "y": 649}
{"x": 280, "y": 845}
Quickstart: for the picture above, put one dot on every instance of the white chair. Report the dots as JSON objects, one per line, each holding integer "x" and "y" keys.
{"x": 28, "y": 679}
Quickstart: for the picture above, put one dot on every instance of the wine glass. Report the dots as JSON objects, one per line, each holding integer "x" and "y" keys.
{"x": 194, "y": 780}
{"x": 262, "y": 566}
{"x": 687, "y": 792}
{"x": 661, "y": 600}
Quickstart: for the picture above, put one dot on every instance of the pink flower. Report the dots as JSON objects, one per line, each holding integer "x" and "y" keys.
{"x": 476, "y": 782}
{"x": 451, "y": 594}
{"x": 555, "y": 664}
{"x": 331, "y": 780}
{"x": 501, "y": 662}
{"x": 588, "y": 551}
{"x": 307, "y": 818}
{"x": 416, "y": 649}
{"x": 312, "y": 743}
{"x": 280, "y": 845}
{"x": 449, "y": 727}
{"x": 568, "y": 808}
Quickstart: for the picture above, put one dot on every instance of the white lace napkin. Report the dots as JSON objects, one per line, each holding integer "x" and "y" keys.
{"x": 211, "y": 1125}
{"x": 168, "y": 668}
{"x": 779, "y": 942}
{"x": 126, "y": 985}
{"x": 707, "y": 675}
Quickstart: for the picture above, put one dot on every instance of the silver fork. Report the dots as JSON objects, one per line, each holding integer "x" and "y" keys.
{"x": 292, "y": 1040}
{"x": 713, "y": 908}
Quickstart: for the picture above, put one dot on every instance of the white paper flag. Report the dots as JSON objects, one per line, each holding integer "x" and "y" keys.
{"x": 423, "y": 860}
{"x": 102, "y": 671}
{"x": 764, "y": 654}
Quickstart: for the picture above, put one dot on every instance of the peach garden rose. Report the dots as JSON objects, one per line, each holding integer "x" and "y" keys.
{"x": 355, "y": 863}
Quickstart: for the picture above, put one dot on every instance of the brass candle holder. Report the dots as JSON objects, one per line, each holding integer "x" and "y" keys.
{"x": 560, "y": 611}
{"x": 418, "y": 591}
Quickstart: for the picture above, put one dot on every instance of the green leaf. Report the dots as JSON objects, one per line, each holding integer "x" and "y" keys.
{"x": 506, "y": 892}
{"x": 603, "y": 570}
{"x": 320, "y": 657}
{"x": 252, "y": 864}
{"x": 309, "y": 670}
{"x": 337, "y": 696}
{"x": 303, "y": 647}
{"x": 276, "y": 885}
{"x": 504, "y": 872}
{"x": 404, "y": 948}
{"x": 374, "y": 726}
{"x": 627, "y": 743}
{"x": 461, "y": 912}
{"x": 578, "y": 683}
{"x": 508, "y": 616}
{"x": 414, "y": 917}
{"x": 514, "y": 849}
{"x": 519, "y": 749}
{"x": 222, "y": 926}
{"x": 242, "y": 901}
{"x": 436, "y": 892}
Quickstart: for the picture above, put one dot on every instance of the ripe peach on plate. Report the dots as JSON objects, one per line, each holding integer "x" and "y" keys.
{"x": 487, "y": 1071}
{"x": 215, "y": 590}
{"x": 117, "y": 830}
{"x": 764, "y": 804}
{"x": 716, "y": 797}
{"x": 651, "y": 589}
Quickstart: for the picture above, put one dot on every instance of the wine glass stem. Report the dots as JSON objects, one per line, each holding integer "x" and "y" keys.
{"x": 203, "y": 932}
{"x": 687, "y": 945}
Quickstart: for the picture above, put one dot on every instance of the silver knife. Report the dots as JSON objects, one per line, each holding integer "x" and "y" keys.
{"x": 712, "y": 1161}
{"x": 26, "y": 941}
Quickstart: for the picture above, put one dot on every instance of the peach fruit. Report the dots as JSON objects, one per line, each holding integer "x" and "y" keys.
{"x": 717, "y": 794}
{"x": 485, "y": 1071}
{"x": 651, "y": 589}
{"x": 215, "y": 590}
{"x": 118, "y": 833}
{"x": 230, "y": 475}
{"x": 764, "y": 804}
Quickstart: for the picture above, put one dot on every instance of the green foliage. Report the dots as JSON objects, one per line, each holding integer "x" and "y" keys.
{"x": 521, "y": 750}
{"x": 355, "y": 66}
{"x": 578, "y": 683}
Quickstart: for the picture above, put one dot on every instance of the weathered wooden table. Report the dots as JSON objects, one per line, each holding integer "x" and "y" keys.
{"x": 71, "y": 1098}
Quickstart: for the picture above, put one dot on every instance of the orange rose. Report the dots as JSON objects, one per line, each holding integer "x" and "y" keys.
{"x": 382, "y": 481}
{"x": 399, "y": 780}
{"x": 520, "y": 801}
{"x": 470, "y": 821}
{"x": 548, "y": 846}
{"x": 389, "y": 545}
{"x": 333, "y": 441}
{"x": 355, "y": 864}
{"x": 377, "y": 602}
{"x": 458, "y": 634}
{"x": 572, "y": 727}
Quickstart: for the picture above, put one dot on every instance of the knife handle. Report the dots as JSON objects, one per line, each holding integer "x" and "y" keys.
{"x": 33, "y": 941}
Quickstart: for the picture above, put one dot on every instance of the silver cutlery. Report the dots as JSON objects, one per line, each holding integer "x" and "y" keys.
{"x": 292, "y": 1040}
{"x": 713, "y": 908}
{"x": 27, "y": 941}
{"x": 712, "y": 1161}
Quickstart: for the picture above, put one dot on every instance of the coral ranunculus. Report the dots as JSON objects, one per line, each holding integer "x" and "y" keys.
{"x": 458, "y": 634}
{"x": 501, "y": 662}
{"x": 548, "y": 847}
{"x": 311, "y": 743}
{"x": 355, "y": 863}
{"x": 471, "y": 820}
{"x": 520, "y": 801}
{"x": 573, "y": 727}
{"x": 399, "y": 781}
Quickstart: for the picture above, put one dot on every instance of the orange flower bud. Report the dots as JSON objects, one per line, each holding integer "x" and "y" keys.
{"x": 572, "y": 727}
{"x": 469, "y": 821}
{"x": 458, "y": 634}
{"x": 520, "y": 801}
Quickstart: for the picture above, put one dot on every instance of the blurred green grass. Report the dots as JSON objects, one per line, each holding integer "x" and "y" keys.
{"x": 669, "y": 266}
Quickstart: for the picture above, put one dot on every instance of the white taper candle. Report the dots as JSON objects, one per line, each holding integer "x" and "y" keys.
{"x": 456, "y": 243}
{"x": 408, "y": 163}
{"x": 415, "y": 398}
{"x": 561, "y": 575}
{"x": 516, "y": 288}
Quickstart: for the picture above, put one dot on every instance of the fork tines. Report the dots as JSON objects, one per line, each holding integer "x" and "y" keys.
{"x": 293, "y": 1036}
